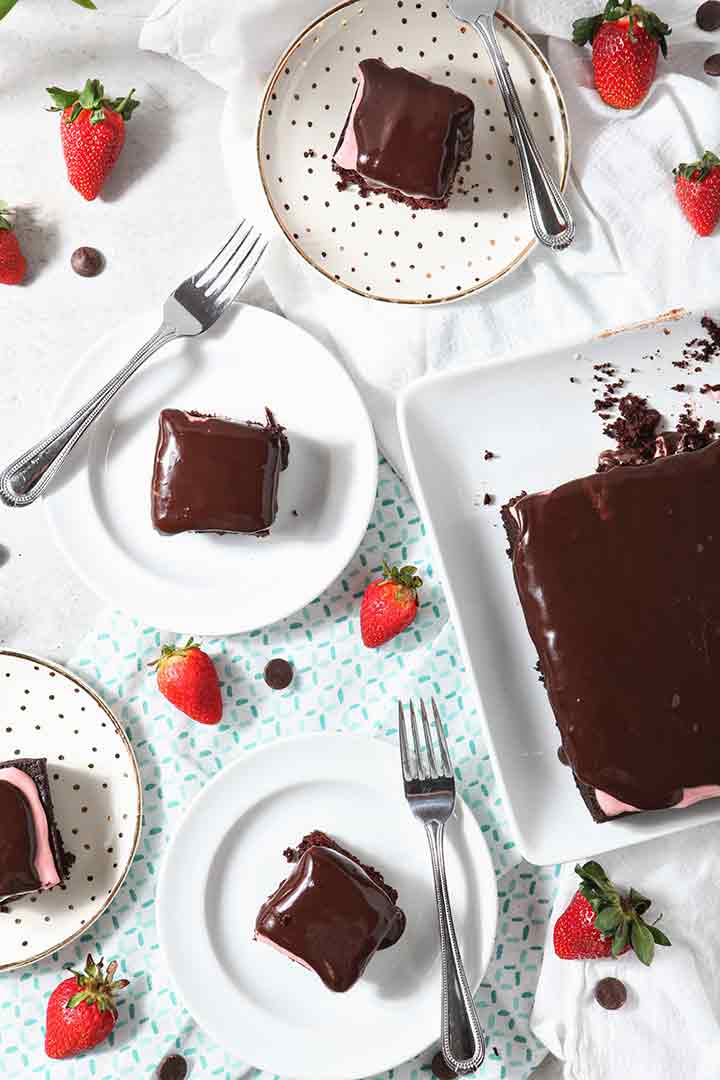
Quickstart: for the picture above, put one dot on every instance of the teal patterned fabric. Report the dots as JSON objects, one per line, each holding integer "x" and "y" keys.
{"x": 339, "y": 685}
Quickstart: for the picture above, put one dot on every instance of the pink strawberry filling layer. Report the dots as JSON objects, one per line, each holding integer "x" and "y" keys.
{"x": 612, "y": 806}
{"x": 44, "y": 862}
{"x": 347, "y": 153}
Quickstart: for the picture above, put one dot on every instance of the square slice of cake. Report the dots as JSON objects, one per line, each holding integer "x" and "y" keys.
{"x": 216, "y": 475}
{"x": 32, "y": 856}
{"x": 618, "y": 576}
{"x": 405, "y": 136}
{"x": 331, "y": 914}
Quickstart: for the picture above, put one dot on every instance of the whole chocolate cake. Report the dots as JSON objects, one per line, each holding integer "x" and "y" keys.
{"x": 405, "y": 136}
{"x": 331, "y": 914}
{"x": 618, "y": 578}
{"x": 32, "y": 856}
{"x": 216, "y": 475}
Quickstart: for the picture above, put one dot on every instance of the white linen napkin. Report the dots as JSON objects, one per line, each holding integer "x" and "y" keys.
{"x": 669, "y": 1029}
{"x": 634, "y": 257}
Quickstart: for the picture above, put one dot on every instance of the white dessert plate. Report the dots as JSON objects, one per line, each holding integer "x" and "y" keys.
{"x": 378, "y": 248}
{"x": 99, "y": 508}
{"x": 543, "y": 430}
{"x": 95, "y": 786}
{"x": 226, "y": 859}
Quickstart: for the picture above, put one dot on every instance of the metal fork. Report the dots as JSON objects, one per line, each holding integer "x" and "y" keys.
{"x": 430, "y": 792}
{"x": 550, "y": 215}
{"x": 192, "y": 309}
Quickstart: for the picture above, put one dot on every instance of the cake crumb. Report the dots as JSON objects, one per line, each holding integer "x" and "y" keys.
{"x": 489, "y": 455}
{"x": 679, "y": 387}
{"x": 488, "y": 500}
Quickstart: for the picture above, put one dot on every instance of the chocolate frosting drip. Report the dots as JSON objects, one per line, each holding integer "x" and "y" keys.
{"x": 216, "y": 475}
{"x": 331, "y": 914}
{"x": 17, "y": 843}
{"x": 618, "y": 578}
{"x": 411, "y": 132}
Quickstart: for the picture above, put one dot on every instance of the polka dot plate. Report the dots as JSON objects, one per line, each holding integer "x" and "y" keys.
{"x": 47, "y": 712}
{"x": 375, "y": 247}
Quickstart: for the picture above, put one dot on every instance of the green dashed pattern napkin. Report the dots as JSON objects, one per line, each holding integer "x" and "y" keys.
{"x": 339, "y": 685}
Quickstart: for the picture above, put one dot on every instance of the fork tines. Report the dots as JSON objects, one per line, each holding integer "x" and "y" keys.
{"x": 242, "y": 252}
{"x": 415, "y": 764}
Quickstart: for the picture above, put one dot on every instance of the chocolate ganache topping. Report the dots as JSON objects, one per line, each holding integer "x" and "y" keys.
{"x": 17, "y": 843}
{"x": 331, "y": 914}
{"x": 619, "y": 579}
{"x": 410, "y": 132}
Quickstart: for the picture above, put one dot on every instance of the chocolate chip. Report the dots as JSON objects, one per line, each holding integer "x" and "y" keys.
{"x": 562, "y": 756}
{"x": 611, "y": 993}
{"x": 278, "y": 674}
{"x": 708, "y": 15}
{"x": 87, "y": 261}
{"x": 441, "y": 1069}
{"x": 173, "y": 1067}
{"x": 712, "y": 64}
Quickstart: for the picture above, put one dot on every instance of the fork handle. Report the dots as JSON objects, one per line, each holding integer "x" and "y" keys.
{"x": 550, "y": 215}
{"x": 462, "y": 1038}
{"x": 24, "y": 479}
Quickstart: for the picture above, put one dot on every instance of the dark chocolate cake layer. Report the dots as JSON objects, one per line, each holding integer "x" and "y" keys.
{"x": 619, "y": 580}
{"x": 331, "y": 914}
{"x": 16, "y": 838}
{"x": 405, "y": 135}
{"x": 216, "y": 475}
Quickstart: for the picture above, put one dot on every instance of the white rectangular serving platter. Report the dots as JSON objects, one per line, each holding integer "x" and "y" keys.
{"x": 543, "y": 431}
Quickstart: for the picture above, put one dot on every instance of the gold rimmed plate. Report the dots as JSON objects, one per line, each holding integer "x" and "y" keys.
{"x": 375, "y": 247}
{"x": 47, "y": 712}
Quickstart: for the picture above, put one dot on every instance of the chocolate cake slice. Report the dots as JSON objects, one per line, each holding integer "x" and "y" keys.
{"x": 405, "y": 136}
{"x": 32, "y": 855}
{"x": 216, "y": 475}
{"x": 618, "y": 575}
{"x": 332, "y": 914}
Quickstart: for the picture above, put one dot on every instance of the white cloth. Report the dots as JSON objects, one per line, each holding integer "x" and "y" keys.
{"x": 670, "y": 1027}
{"x": 634, "y": 256}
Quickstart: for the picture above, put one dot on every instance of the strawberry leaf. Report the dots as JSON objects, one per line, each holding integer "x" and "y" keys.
{"x": 608, "y": 919}
{"x": 621, "y": 937}
{"x": 6, "y": 7}
{"x": 125, "y": 106}
{"x": 86, "y": 4}
{"x": 585, "y": 30}
{"x": 643, "y": 941}
{"x": 658, "y": 936}
{"x": 62, "y": 99}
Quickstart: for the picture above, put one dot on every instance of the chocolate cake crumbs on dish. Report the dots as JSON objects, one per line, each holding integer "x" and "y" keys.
{"x": 332, "y": 913}
{"x": 32, "y": 854}
{"x": 405, "y": 137}
{"x": 680, "y": 387}
{"x": 644, "y": 532}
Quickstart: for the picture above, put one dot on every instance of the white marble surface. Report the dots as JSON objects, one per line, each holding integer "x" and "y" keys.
{"x": 164, "y": 211}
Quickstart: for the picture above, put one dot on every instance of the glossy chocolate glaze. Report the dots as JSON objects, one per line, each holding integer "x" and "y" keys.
{"x": 330, "y": 915}
{"x": 216, "y": 475}
{"x": 17, "y": 843}
{"x": 411, "y": 133}
{"x": 619, "y": 579}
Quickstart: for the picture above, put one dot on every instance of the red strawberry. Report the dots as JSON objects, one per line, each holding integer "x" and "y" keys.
{"x": 697, "y": 187}
{"x": 187, "y": 678}
{"x": 12, "y": 260}
{"x": 92, "y": 131}
{"x": 599, "y": 921}
{"x": 81, "y": 1011}
{"x": 625, "y": 40}
{"x": 389, "y": 605}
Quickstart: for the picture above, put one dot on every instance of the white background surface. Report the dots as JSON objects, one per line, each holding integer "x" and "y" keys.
{"x": 165, "y": 210}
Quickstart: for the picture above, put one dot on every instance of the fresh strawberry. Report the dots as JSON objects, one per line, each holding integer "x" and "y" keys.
{"x": 389, "y": 605}
{"x": 697, "y": 187}
{"x": 12, "y": 260}
{"x": 187, "y": 678}
{"x": 81, "y": 1011}
{"x": 625, "y": 39}
{"x": 92, "y": 131}
{"x": 600, "y": 921}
